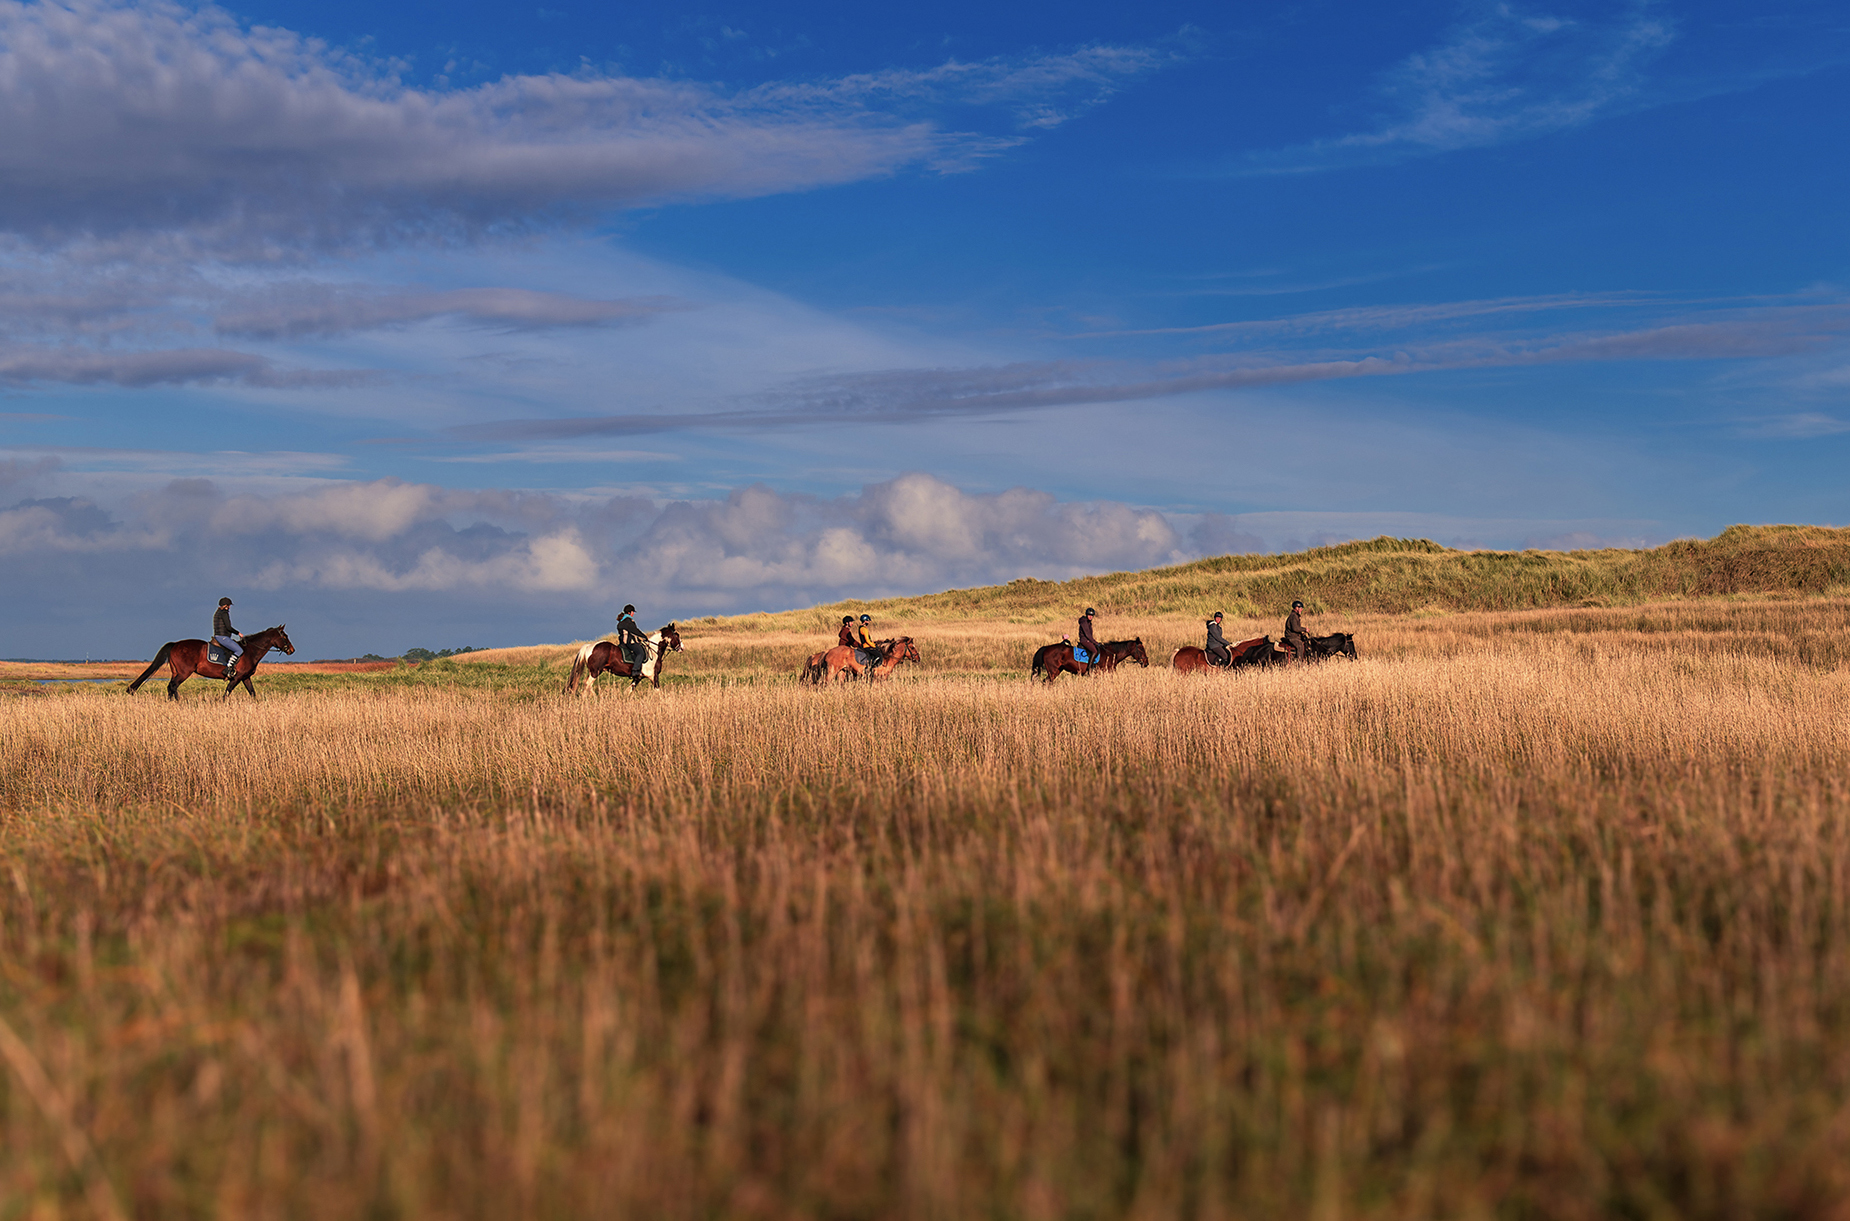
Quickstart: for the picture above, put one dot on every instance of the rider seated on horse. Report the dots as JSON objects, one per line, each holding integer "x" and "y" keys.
{"x": 1296, "y": 638}
{"x": 223, "y": 633}
{"x": 631, "y": 638}
{"x": 1086, "y": 640}
{"x": 1218, "y": 651}
{"x": 864, "y": 639}
{"x": 846, "y": 635}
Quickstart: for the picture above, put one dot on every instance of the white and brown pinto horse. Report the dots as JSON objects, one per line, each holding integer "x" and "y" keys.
{"x": 606, "y": 657}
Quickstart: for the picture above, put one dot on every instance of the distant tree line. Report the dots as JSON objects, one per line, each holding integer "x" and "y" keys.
{"x": 427, "y": 655}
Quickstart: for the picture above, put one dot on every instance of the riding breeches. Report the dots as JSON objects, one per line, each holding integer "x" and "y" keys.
{"x": 1220, "y": 656}
{"x": 1300, "y": 644}
{"x": 237, "y": 650}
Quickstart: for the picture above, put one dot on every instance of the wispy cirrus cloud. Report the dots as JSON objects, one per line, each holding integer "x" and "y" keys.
{"x": 1508, "y": 73}
{"x": 294, "y": 311}
{"x": 900, "y": 395}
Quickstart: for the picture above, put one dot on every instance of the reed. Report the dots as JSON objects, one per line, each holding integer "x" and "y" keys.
{"x": 1539, "y": 914}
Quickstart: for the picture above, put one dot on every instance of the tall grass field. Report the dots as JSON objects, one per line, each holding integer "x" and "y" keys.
{"x": 1541, "y": 909}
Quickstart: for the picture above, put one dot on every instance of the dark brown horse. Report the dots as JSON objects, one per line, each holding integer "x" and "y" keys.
{"x": 188, "y": 657}
{"x": 1113, "y": 652}
{"x": 1057, "y": 659}
{"x": 605, "y": 657}
{"x": 1255, "y": 652}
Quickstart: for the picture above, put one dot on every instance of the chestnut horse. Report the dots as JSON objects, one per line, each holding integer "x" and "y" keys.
{"x": 605, "y": 657}
{"x": 188, "y": 657}
{"x": 1112, "y": 652}
{"x": 831, "y": 664}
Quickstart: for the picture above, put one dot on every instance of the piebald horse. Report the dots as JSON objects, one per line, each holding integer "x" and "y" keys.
{"x": 605, "y": 657}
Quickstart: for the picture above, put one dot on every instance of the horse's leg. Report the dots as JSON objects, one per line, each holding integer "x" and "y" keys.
{"x": 173, "y": 688}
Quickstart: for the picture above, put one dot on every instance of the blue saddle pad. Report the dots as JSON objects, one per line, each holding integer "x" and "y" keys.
{"x": 1081, "y": 656}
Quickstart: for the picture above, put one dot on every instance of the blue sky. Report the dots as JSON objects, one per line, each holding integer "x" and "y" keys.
{"x": 432, "y": 325}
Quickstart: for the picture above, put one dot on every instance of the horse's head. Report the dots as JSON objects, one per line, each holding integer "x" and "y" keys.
{"x": 671, "y": 638}
{"x": 279, "y": 639}
{"x": 908, "y": 650}
{"x": 1347, "y": 648}
{"x": 1143, "y": 658}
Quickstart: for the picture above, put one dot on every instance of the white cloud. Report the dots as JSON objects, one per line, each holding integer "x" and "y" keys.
{"x": 133, "y": 120}
{"x": 1508, "y": 74}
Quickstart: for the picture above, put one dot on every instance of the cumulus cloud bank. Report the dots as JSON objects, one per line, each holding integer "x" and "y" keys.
{"x": 755, "y": 548}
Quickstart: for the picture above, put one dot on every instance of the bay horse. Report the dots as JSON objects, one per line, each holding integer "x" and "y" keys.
{"x": 606, "y": 657}
{"x": 1057, "y": 659}
{"x": 1255, "y": 652}
{"x": 188, "y": 657}
{"x": 1113, "y": 652}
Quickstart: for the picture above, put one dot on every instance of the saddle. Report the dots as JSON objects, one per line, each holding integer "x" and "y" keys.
{"x": 1083, "y": 656}
{"x": 865, "y": 657}
{"x": 219, "y": 655}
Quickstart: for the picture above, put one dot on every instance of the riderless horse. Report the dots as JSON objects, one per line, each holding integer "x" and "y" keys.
{"x": 190, "y": 657}
{"x": 606, "y": 657}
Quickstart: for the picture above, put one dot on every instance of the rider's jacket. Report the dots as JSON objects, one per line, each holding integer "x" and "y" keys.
{"x": 1294, "y": 624}
{"x": 847, "y": 634}
{"x": 627, "y": 630}
{"x": 1215, "y": 639}
{"x": 221, "y": 622}
{"x": 865, "y": 641}
{"x": 1086, "y": 640}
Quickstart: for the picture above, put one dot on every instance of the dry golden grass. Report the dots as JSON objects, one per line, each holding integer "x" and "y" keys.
{"x": 1541, "y": 914}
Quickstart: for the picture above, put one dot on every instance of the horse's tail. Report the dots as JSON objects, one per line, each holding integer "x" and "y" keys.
{"x": 578, "y": 666}
{"x": 160, "y": 659}
{"x": 1040, "y": 662}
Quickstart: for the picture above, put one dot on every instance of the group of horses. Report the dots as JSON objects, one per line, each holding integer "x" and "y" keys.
{"x": 844, "y": 663}
{"x": 1260, "y": 651}
{"x": 839, "y": 664}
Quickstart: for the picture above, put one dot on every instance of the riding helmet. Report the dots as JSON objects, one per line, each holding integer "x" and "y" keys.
{"x": 1217, "y": 614}
{"x": 224, "y": 601}
{"x": 1297, "y": 606}
{"x": 628, "y": 609}
{"x": 847, "y": 618}
{"x": 867, "y": 618}
{"x": 1090, "y": 611}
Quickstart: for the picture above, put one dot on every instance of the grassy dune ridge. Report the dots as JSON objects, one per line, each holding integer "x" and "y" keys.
{"x": 1390, "y": 576}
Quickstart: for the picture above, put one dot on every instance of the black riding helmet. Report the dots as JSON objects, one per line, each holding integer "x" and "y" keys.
{"x": 628, "y": 609}
{"x": 867, "y": 618}
{"x": 1217, "y": 614}
{"x": 1090, "y": 611}
{"x": 224, "y": 601}
{"x": 1297, "y": 606}
{"x": 847, "y": 618}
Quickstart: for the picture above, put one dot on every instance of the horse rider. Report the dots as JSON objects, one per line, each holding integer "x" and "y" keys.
{"x": 865, "y": 640}
{"x": 631, "y": 638}
{"x": 1218, "y": 651}
{"x": 1295, "y": 635}
{"x": 224, "y": 634}
{"x": 846, "y": 635}
{"x": 1086, "y": 640}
